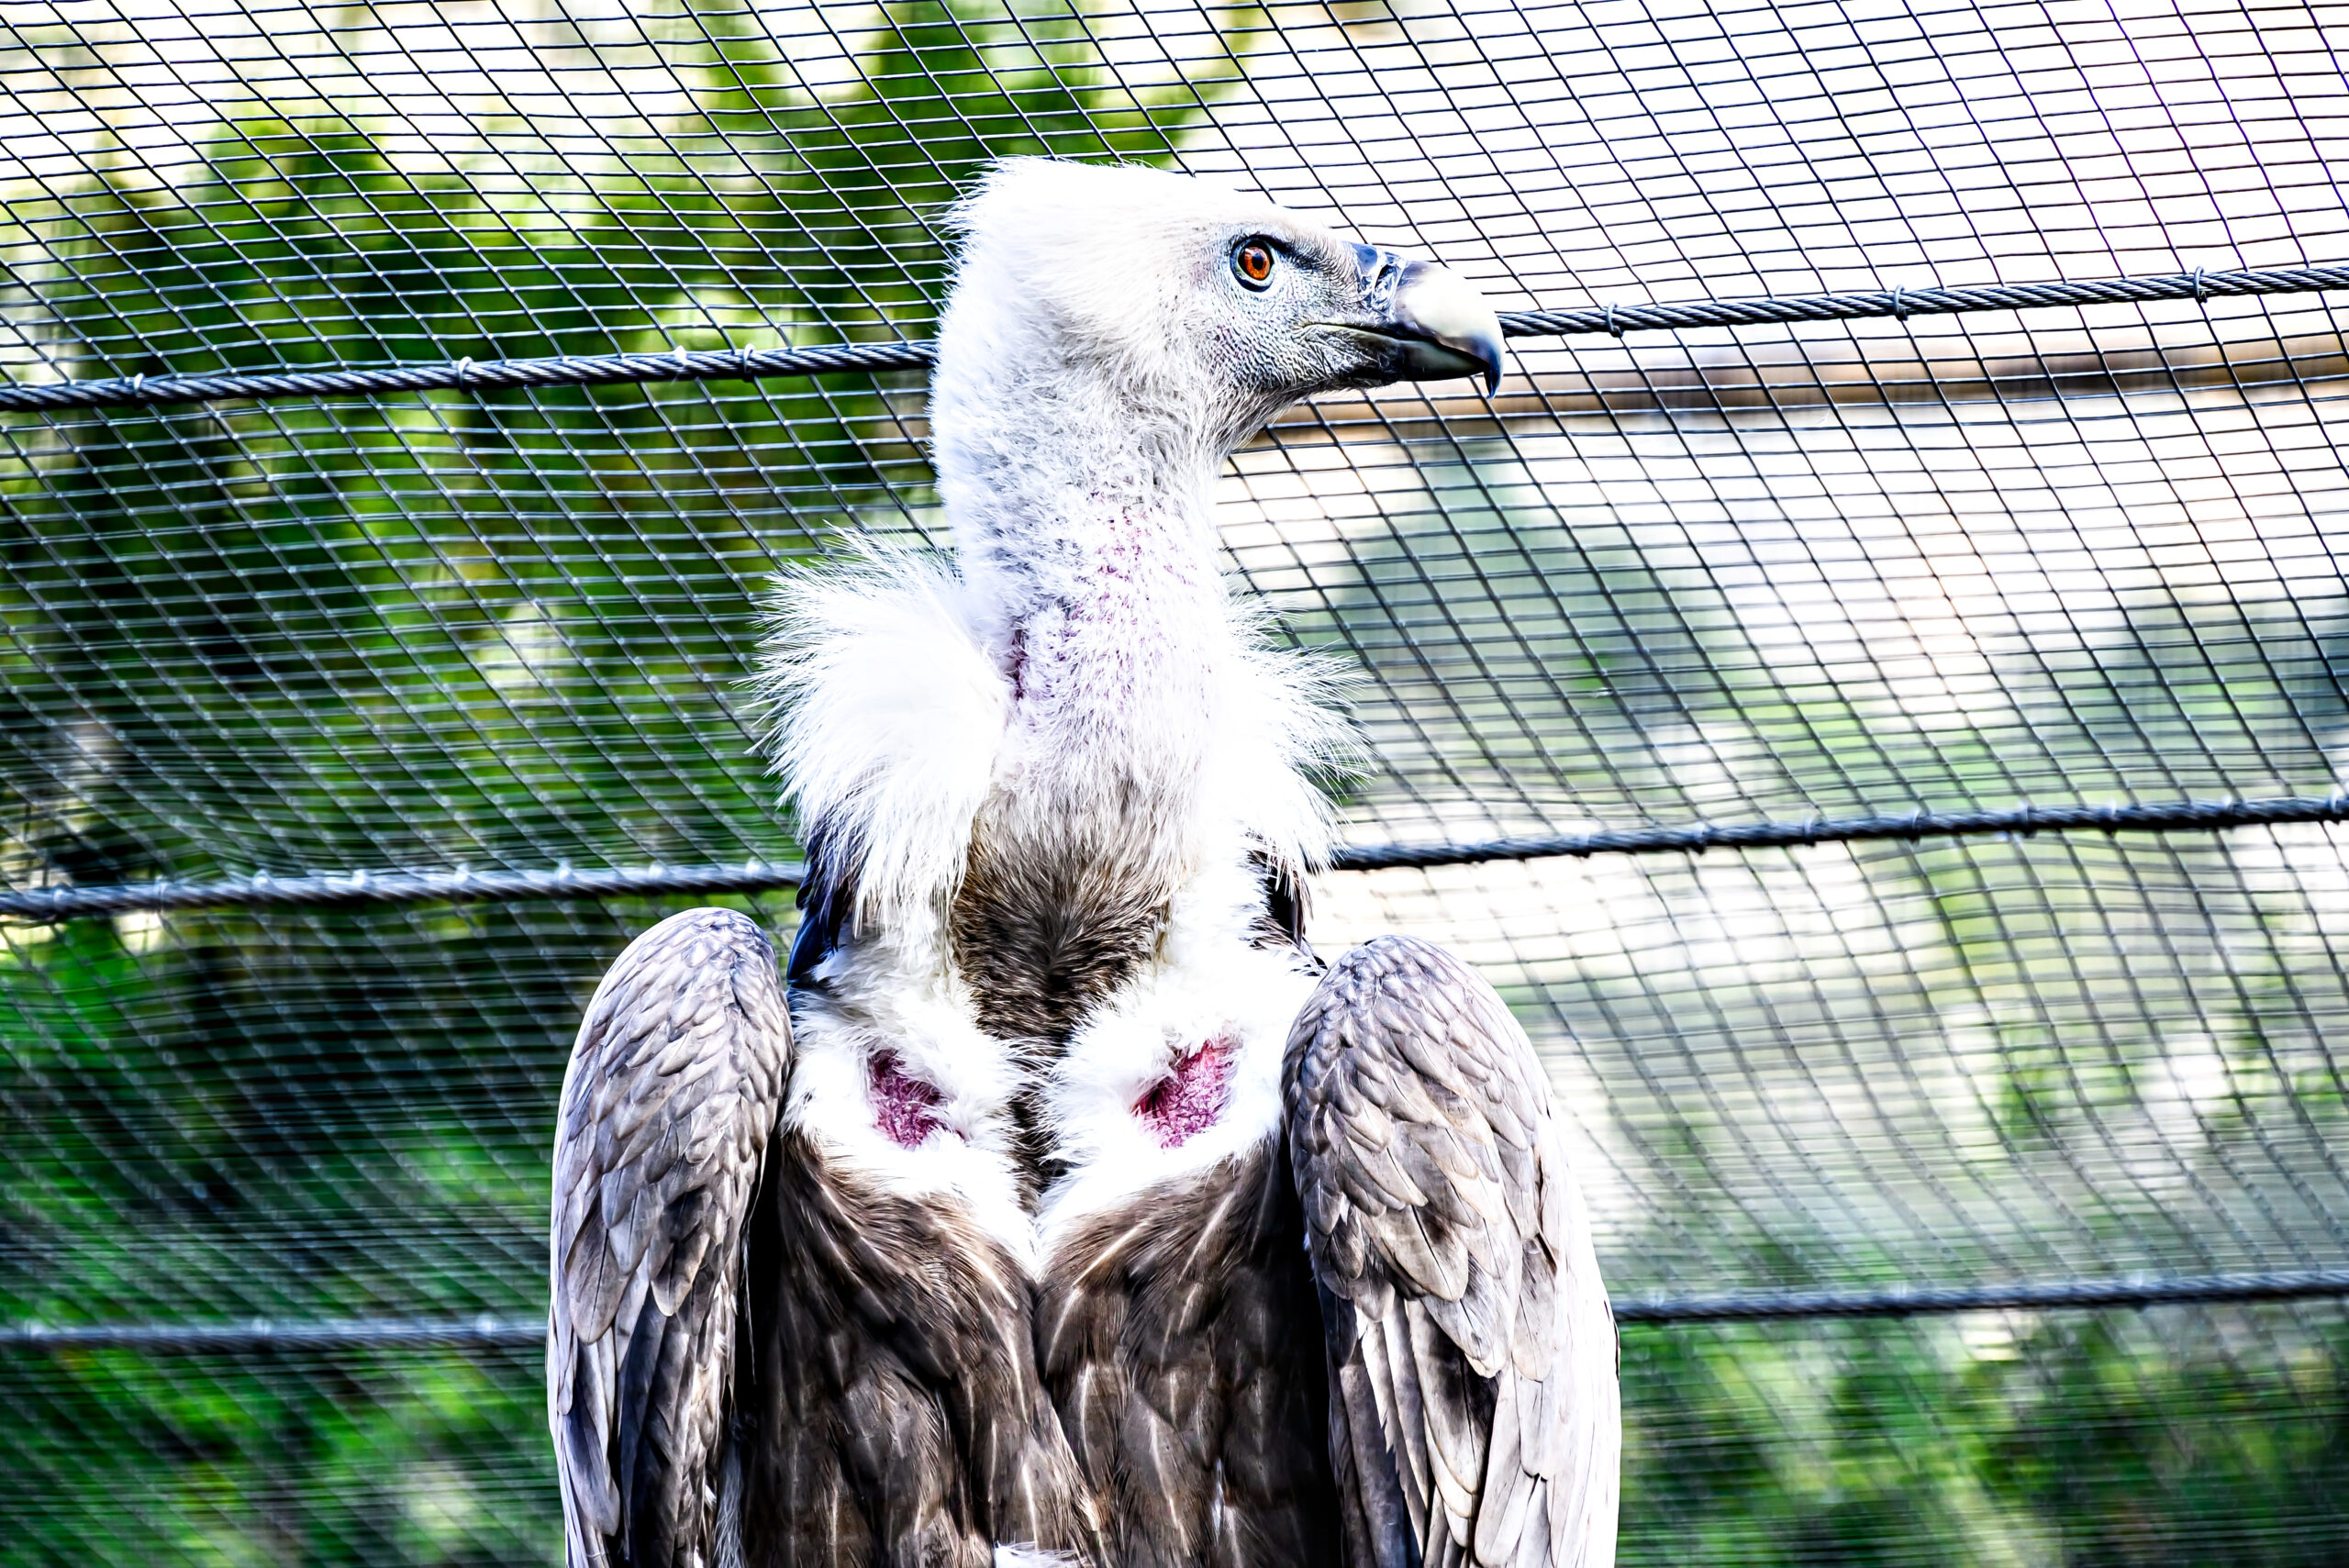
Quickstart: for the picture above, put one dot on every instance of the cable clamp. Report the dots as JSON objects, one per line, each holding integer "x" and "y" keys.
{"x": 2200, "y": 292}
{"x": 465, "y": 371}
{"x": 1612, "y": 330}
{"x": 1899, "y": 305}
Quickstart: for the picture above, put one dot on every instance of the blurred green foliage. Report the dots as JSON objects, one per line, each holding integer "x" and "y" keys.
{"x": 514, "y": 629}
{"x": 506, "y": 627}
{"x": 2092, "y": 1440}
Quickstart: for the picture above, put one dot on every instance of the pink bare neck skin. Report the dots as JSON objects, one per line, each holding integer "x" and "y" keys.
{"x": 1188, "y": 1101}
{"x": 904, "y": 1108}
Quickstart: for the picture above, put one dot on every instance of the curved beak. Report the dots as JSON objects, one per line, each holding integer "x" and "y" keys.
{"x": 1442, "y": 326}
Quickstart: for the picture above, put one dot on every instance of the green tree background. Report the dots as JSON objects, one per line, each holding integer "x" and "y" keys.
{"x": 512, "y": 630}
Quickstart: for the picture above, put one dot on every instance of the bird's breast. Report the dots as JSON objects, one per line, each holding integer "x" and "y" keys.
{"x": 1178, "y": 1073}
{"x": 1179, "y": 1337}
{"x": 1043, "y": 936}
{"x": 1094, "y": 828}
{"x": 870, "y": 1313}
{"x": 1171, "y": 1069}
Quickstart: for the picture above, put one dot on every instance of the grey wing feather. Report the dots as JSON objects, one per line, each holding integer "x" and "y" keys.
{"x": 673, "y": 1088}
{"x": 1472, "y": 1400}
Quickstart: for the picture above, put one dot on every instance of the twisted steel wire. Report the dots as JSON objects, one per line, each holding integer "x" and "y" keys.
{"x": 2168, "y": 816}
{"x": 1912, "y": 1301}
{"x": 488, "y": 1332}
{"x": 319, "y": 890}
{"x": 325, "y": 889}
{"x": 484, "y": 1332}
{"x": 749, "y": 364}
{"x": 467, "y": 375}
{"x": 1900, "y": 304}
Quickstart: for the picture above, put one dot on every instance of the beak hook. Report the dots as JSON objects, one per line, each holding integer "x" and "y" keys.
{"x": 1445, "y": 325}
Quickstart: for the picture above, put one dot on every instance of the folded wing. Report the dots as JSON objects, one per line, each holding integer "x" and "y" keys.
{"x": 1473, "y": 1402}
{"x": 673, "y": 1087}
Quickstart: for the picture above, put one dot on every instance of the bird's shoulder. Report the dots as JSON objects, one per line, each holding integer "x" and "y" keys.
{"x": 666, "y": 1110}
{"x": 1472, "y": 1351}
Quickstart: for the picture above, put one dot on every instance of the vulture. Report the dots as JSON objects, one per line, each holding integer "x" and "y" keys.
{"x": 1054, "y": 1203}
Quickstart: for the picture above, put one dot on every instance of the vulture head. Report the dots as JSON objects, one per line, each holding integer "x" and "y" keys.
{"x": 1140, "y": 324}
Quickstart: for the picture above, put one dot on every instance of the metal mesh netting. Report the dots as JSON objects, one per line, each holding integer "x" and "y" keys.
{"x": 1766, "y": 573}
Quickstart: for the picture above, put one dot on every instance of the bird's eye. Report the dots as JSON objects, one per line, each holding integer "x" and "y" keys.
{"x": 1252, "y": 262}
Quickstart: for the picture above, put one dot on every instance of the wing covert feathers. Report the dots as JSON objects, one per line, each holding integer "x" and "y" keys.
{"x": 1472, "y": 1403}
{"x": 673, "y": 1087}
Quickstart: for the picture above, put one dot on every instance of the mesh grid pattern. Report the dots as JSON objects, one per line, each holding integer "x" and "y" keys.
{"x": 2062, "y": 556}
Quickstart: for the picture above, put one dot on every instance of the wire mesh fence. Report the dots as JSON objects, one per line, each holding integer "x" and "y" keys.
{"x": 1774, "y": 574}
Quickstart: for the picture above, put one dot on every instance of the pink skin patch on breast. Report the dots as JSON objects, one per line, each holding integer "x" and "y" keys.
{"x": 904, "y": 1108}
{"x": 1186, "y": 1101}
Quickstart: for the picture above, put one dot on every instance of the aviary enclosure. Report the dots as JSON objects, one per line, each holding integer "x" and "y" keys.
{"x": 1870, "y": 687}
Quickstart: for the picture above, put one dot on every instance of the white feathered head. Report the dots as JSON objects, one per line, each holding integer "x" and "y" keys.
{"x": 1190, "y": 309}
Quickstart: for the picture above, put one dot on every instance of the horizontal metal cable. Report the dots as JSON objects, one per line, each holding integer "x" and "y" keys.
{"x": 283, "y": 1334}
{"x": 1902, "y": 303}
{"x": 363, "y": 887}
{"x": 468, "y": 376}
{"x": 326, "y": 888}
{"x": 1909, "y": 1301}
{"x": 1739, "y": 1307}
{"x": 2183, "y": 815}
{"x": 749, "y": 364}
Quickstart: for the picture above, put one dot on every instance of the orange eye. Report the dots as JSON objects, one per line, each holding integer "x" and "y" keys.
{"x": 1254, "y": 262}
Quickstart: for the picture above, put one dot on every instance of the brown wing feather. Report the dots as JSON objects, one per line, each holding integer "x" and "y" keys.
{"x": 672, "y": 1090}
{"x": 1473, "y": 1402}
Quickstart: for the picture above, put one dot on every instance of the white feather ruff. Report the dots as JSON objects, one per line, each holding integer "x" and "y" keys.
{"x": 892, "y": 731}
{"x": 1024, "y": 1555}
{"x": 889, "y": 717}
{"x": 1279, "y": 726}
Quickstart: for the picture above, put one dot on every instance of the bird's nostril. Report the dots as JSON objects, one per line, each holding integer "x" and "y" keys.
{"x": 1382, "y": 272}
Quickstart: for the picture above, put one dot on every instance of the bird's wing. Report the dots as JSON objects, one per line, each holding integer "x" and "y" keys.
{"x": 1473, "y": 1403}
{"x": 673, "y": 1087}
